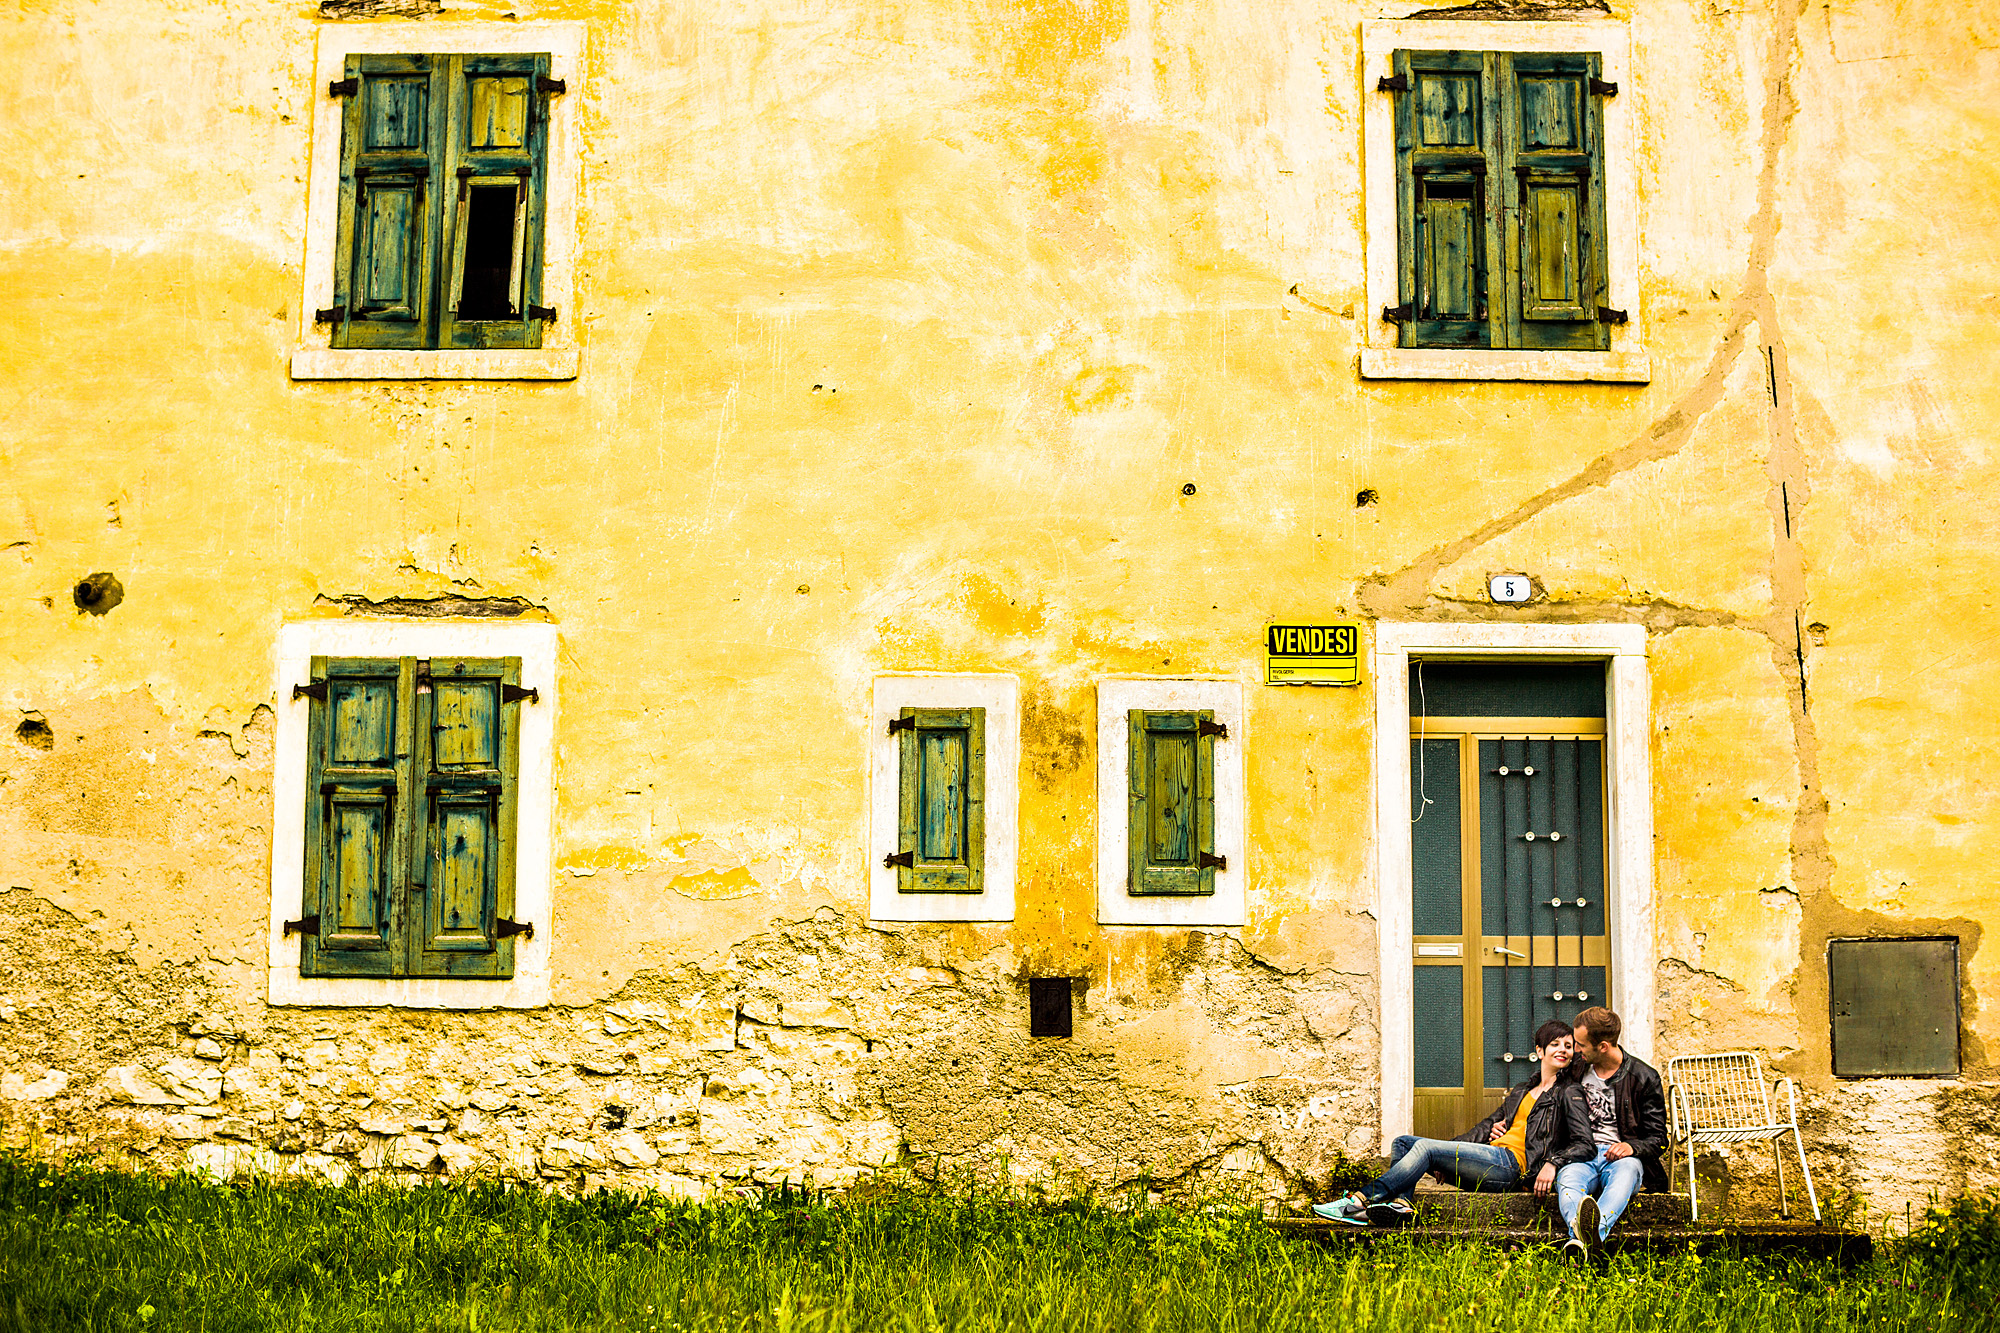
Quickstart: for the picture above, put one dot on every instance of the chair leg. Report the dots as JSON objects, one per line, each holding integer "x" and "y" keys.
{"x": 1798, "y": 1141}
{"x": 1694, "y": 1201}
{"x": 1778, "y": 1156}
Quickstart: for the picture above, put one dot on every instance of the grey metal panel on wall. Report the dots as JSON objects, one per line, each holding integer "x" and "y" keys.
{"x": 1895, "y": 1007}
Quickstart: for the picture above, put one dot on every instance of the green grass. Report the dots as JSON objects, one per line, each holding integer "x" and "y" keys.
{"x": 82, "y": 1249}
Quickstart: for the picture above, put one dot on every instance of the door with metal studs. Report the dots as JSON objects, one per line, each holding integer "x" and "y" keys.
{"x": 1508, "y": 839}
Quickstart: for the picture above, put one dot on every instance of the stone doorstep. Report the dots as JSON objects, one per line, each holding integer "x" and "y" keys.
{"x": 1803, "y": 1241}
{"x": 1440, "y": 1205}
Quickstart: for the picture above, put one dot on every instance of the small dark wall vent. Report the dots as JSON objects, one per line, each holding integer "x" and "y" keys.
{"x": 1049, "y": 1006}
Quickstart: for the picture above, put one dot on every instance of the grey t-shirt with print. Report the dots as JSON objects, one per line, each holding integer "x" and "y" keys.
{"x": 1603, "y": 1104}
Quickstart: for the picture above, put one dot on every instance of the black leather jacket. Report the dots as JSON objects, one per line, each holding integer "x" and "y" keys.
{"x": 1642, "y": 1114}
{"x": 1558, "y": 1126}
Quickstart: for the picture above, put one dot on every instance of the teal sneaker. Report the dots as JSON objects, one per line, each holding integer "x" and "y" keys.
{"x": 1350, "y": 1209}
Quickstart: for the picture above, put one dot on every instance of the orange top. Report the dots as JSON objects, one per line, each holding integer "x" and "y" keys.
{"x": 1515, "y": 1140}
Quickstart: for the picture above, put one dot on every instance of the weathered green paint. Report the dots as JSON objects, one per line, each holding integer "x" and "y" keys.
{"x": 410, "y": 818}
{"x": 1500, "y": 200}
{"x": 414, "y": 124}
{"x": 355, "y": 846}
{"x": 942, "y": 801}
{"x": 1553, "y": 179}
{"x": 1170, "y": 770}
{"x": 467, "y": 757}
{"x": 1445, "y": 128}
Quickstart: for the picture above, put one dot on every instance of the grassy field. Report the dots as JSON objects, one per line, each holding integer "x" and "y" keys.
{"x": 89, "y": 1250}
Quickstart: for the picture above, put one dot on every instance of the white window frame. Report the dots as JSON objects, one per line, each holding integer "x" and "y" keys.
{"x": 315, "y": 357}
{"x": 1000, "y": 696}
{"x": 535, "y": 645}
{"x": 1116, "y": 697}
{"x": 1629, "y": 806}
{"x": 1627, "y": 362}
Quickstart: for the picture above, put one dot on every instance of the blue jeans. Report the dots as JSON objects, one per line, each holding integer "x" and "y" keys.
{"x": 1614, "y": 1184}
{"x": 1470, "y": 1166}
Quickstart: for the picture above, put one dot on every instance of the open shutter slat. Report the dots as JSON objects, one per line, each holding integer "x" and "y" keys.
{"x": 496, "y": 157}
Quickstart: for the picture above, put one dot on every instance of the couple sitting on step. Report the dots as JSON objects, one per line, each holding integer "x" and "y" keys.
{"x": 1590, "y": 1124}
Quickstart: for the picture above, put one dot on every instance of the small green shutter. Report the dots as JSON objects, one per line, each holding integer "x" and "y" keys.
{"x": 385, "y": 267}
{"x": 1170, "y": 768}
{"x": 357, "y": 849}
{"x": 467, "y": 758}
{"x": 941, "y": 843}
{"x": 1446, "y": 218}
{"x": 1553, "y": 199}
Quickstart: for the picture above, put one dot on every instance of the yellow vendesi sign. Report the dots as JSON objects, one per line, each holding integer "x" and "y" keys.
{"x": 1312, "y": 654}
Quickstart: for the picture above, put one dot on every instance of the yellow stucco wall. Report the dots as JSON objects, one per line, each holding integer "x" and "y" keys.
{"x": 902, "y": 327}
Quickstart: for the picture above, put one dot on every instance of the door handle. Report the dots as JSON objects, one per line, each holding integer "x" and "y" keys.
{"x": 1510, "y": 953}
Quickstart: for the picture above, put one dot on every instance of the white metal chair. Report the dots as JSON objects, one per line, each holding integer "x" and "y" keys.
{"x": 1724, "y": 1099}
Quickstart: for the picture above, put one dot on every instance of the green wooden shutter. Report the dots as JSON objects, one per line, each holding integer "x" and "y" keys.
{"x": 495, "y": 200}
{"x": 357, "y": 842}
{"x": 1170, "y": 769}
{"x": 1445, "y": 207}
{"x": 941, "y": 843}
{"x": 1553, "y": 201}
{"x": 385, "y": 269}
{"x": 467, "y": 759}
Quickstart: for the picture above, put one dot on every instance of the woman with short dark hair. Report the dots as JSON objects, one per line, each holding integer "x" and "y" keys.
{"x": 1540, "y": 1125}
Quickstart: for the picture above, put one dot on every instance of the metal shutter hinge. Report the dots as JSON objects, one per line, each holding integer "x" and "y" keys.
{"x": 545, "y": 84}
{"x": 541, "y": 312}
{"x": 1396, "y": 314}
{"x": 330, "y": 316}
{"x": 1208, "y": 862}
{"x": 897, "y": 724}
{"x": 907, "y": 860}
{"x": 343, "y": 88}
{"x": 1607, "y": 315}
{"x": 1603, "y": 89}
{"x": 316, "y": 690}
{"x": 505, "y": 929}
{"x": 308, "y": 925}
{"x": 1220, "y": 729}
{"x": 1399, "y": 83}
{"x": 510, "y": 694}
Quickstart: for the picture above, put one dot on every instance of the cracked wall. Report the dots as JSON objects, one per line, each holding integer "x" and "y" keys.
{"x": 899, "y": 353}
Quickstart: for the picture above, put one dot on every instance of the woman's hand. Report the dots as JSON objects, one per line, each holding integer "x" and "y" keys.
{"x": 1545, "y": 1179}
{"x": 1497, "y": 1133}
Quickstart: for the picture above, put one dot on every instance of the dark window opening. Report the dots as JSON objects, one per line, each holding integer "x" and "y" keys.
{"x": 485, "y": 288}
{"x": 1049, "y": 1007}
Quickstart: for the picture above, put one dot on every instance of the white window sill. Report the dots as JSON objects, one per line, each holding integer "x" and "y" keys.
{"x": 1443, "y": 363}
{"x": 519, "y": 992}
{"x": 373, "y": 363}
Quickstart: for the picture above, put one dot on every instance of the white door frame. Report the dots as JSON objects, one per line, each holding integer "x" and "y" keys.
{"x": 1629, "y": 787}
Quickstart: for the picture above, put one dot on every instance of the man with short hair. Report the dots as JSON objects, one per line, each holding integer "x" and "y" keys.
{"x": 1628, "y": 1121}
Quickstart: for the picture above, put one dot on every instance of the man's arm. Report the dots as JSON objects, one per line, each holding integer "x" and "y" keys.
{"x": 1649, "y": 1109}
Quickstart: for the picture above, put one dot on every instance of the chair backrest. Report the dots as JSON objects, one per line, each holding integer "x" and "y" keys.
{"x": 1725, "y": 1091}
